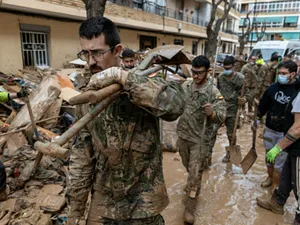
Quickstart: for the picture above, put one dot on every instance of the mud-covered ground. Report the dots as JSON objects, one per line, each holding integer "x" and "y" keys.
{"x": 227, "y": 196}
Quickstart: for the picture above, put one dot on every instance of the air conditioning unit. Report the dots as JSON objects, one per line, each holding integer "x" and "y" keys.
{"x": 179, "y": 26}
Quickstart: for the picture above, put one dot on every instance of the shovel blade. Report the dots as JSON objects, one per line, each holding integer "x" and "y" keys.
{"x": 235, "y": 154}
{"x": 249, "y": 160}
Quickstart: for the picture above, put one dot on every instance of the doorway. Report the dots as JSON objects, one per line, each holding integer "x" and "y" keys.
{"x": 147, "y": 42}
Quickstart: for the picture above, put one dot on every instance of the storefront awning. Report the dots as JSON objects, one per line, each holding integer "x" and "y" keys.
{"x": 269, "y": 19}
{"x": 291, "y": 19}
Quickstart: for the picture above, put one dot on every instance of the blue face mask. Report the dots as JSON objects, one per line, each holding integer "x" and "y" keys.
{"x": 282, "y": 79}
{"x": 227, "y": 72}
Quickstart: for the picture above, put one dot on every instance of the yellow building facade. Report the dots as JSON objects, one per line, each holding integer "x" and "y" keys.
{"x": 45, "y": 32}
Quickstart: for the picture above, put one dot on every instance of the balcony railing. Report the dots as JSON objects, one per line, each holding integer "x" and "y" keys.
{"x": 229, "y": 31}
{"x": 154, "y": 8}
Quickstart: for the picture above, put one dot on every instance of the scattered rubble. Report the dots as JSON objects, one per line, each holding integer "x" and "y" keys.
{"x": 41, "y": 200}
{"x": 39, "y": 197}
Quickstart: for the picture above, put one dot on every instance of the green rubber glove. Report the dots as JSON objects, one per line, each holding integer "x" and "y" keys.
{"x": 271, "y": 155}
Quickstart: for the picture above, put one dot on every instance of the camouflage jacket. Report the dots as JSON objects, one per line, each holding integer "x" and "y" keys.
{"x": 239, "y": 63}
{"x": 231, "y": 90}
{"x": 250, "y": 73}
{"x": 267, "y": 75}
{"x": 190, "y": 124}
{"x": 118, "y": 156}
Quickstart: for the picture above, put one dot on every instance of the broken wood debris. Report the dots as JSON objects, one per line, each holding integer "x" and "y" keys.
{"x": 39, "y": 198}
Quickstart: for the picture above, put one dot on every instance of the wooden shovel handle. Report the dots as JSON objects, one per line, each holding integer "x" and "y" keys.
{"x": 94, "y": 97}
{"x": 237, "y": 115}
{"x": 243, "y": 89}
{"x": 255, "y": 126}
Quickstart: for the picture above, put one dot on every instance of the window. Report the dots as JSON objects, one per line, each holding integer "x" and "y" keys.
{"x": 147, "y": 42}
{"x": 295, "y": 53}
{"x": 178, "y": 42}
{"x": 35, "y": 49}
{"x": 195, "y": 48}
{"x": 291, "y": 21}
{"x": 282, "y": 6}
{"x": 138, "y": 4}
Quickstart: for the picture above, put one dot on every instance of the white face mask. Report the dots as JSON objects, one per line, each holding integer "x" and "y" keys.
{"x": 284, "y": 79}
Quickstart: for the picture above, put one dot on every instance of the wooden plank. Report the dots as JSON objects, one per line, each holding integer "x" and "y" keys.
{"x": 53, "y": 111}
{"x": 12, "y": 88}
{"x": 68, "y": 93}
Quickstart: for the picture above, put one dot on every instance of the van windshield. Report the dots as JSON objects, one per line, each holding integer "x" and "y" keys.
{"x": 266, "y": 53}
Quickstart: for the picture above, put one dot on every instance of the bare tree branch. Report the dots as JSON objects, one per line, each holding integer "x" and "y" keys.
{"x": 247, "y": 29}
{"x": 214, "y": 25}
{"x": 94, "y": 7}
{"x": 261, "y": 34}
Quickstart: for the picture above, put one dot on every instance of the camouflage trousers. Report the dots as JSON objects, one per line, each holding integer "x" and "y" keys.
{"x": 261, "y": 92}
{"x": 213, "y": 139}
{"x": 191, "y": 154}
{"x": 253, "y": 93}
{"x": 229, "y": 123}
{"x": 155, "y": 220}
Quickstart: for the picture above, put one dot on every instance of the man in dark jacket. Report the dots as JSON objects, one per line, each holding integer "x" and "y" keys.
{"x": 273, "y": 104}
{"x": 290, "y": 143}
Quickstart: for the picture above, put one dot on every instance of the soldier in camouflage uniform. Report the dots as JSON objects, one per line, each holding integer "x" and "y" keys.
{"x": 250, "y": 72}
{"x": 230, "y": 84}
{"x": 190, "y": 126}
{"x": 266, "y": 76}
{"x": 117, "y": 156}
{"x": 240, "y": 62}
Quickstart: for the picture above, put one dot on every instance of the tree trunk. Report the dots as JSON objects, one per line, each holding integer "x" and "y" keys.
{"x": 212, "y": 42}
{"x": 94, "y": 7}
{"x": 242, "y": 46}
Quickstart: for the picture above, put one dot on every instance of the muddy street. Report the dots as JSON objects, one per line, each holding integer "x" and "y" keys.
{"x": 227, "y": 196}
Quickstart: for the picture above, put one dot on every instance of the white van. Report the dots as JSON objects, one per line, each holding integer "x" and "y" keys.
{"x": 267, "y": 48}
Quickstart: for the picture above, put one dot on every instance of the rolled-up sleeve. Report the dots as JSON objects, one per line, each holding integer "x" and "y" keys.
{"x": 157, "y": 96}
{"x": 81, "y": 170}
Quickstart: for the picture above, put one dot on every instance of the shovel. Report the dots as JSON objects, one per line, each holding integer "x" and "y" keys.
{"x": 233, "y": 149}
{"x": 251, "y": 157}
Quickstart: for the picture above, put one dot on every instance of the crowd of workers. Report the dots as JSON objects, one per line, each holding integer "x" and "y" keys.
{"x": 118, "y": 158}
{"x": 131, "y": 177}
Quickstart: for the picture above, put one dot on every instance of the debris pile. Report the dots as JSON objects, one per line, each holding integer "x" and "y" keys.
{"x": 39, "y": 197}
{"x": 36, "y": 182}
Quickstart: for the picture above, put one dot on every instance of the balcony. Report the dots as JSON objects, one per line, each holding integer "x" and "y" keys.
{"x": 154, "y": 8}
{"x": 229, "y": 31}
{"x": 70, "y": 3}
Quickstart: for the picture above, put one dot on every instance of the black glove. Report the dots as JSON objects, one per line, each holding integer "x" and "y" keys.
{"x": 22, "y": 93}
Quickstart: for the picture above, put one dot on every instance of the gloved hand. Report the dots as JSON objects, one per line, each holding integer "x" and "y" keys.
{"x": 22, "y": 93}
{"x": 272, "y": 154}
{"x": 107, "y": 77}
{"x": 242, "y": 101}
{"x": 254, "y": 128}
{"x": 208, "y": 109}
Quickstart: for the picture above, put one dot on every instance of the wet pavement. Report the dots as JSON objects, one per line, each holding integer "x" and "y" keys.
{"x": 228, "y": 197}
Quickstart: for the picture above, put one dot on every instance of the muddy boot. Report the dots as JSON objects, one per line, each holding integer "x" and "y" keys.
{"x": 267, "y": 182}
{"x": 276, "y": 180}
{"x": 3, "y": 195}
{"x": 189, "y": 211}
{"x": 270, "y": 204}
{"x": 226, "y": 158}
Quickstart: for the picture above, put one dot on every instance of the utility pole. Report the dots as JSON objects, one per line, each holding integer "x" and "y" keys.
{"x": 253, "y": 21}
